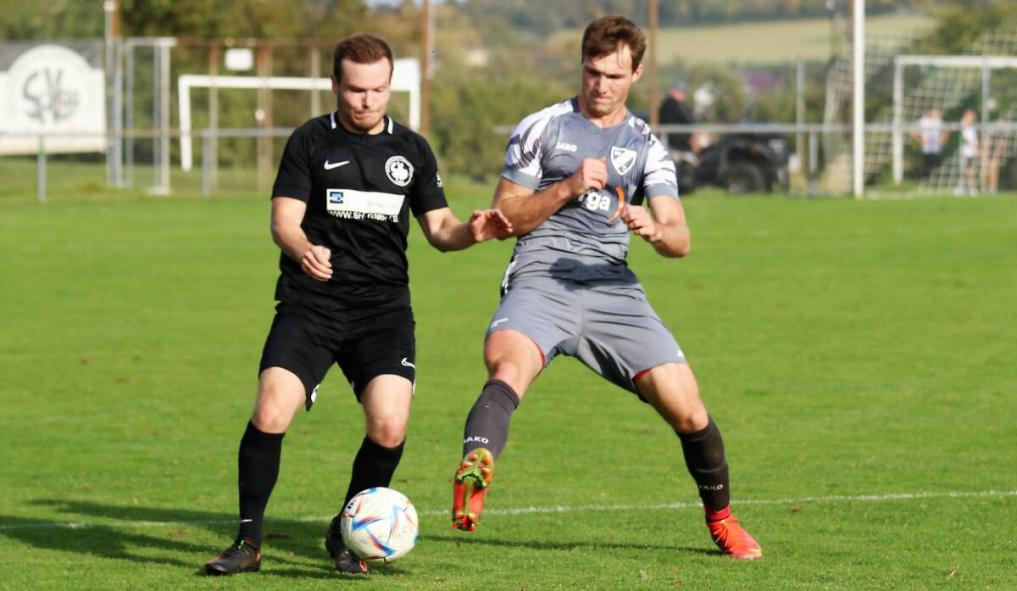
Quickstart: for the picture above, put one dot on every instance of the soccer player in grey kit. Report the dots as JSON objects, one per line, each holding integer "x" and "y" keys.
{"x": 575, "y": 178}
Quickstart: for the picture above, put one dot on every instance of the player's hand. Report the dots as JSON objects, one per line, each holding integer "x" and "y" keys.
{"x": 591, "y": 174}
{"x": 640, "y": 223}
{"x": 486, "y": 224}
{"x": 316, "y": 263}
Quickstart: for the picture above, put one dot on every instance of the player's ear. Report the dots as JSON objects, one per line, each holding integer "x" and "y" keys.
{"x": 637, "y": 73}
{"x": 335, "y": 85}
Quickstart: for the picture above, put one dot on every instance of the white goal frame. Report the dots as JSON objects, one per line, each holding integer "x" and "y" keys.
{"x": 405, "y": 78}
{"x": 986, "y": 63}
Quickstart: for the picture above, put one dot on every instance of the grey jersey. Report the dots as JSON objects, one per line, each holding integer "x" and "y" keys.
{"x": 586, "y": 238}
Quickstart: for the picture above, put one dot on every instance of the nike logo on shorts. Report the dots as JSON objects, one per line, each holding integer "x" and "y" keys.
{"x": 407, "y": 363}
{"x": 331, "y": 165}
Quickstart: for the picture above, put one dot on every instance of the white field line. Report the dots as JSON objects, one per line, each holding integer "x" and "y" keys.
{"x": 558, "y": 509}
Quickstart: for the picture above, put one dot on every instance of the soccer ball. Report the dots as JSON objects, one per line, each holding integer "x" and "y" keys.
{"x": 379, "y": 525}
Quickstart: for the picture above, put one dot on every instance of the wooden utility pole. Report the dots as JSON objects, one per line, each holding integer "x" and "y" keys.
{"x": 858, "y": 100}
{"x": 652, "y": 67}
{"x": 425, "y": 70}
{"x": 264, "y": 114}
{"x": 114, "y": 95}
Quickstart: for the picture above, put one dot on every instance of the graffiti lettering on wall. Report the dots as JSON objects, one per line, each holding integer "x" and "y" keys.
{"x": 52, "y": 98}
{"x": 47, "y": 99}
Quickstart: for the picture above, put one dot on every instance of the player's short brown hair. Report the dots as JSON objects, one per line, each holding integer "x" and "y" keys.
{"x": 360, "y": 49}
{"x": 608, "y": 33}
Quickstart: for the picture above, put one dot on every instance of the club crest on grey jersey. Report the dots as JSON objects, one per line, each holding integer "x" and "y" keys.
{"x": 622, "y": 159}
{"x": 549, "y": 146}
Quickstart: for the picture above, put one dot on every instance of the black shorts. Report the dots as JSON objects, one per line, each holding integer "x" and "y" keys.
{"x": 365, "y": 344}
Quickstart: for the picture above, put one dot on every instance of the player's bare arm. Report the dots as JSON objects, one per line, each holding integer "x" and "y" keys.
{"x": 527, "y": 209}
{"x": 666, "y": 229}
{"x": 446, "y": 232}
{"x": 287, "y": 214}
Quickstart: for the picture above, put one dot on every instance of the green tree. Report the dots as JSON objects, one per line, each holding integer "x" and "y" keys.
{"x": 62, "y": 19}
{"x": 55, "y": 19}
{"x": 241, "y": 18}
{"x": 960, "y": 24}
{"x": 728, "y": 104}
{"x": 467, "y": 105}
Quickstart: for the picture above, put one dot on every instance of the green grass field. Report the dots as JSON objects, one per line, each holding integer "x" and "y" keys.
{"x": 859, "y": 357}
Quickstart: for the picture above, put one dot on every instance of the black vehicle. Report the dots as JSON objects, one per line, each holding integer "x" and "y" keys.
{"x": 739, "y": 164}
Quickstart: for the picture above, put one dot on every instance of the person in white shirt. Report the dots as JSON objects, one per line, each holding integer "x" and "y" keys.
{"x": 968, "y": 182}
{"x": 999, "y": 146}
{"x": 932, "y": 136}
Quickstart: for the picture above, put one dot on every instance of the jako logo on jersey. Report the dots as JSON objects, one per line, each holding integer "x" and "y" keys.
{"x": 566, "y": 147}
{"x": 399, "y": 170}
{"x": 623, "y": 159}
{"x": 475, "y": 438}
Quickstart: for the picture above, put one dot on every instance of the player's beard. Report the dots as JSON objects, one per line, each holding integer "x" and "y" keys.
{"x": 362, "y": 121}
{"x": 602, "y": 108}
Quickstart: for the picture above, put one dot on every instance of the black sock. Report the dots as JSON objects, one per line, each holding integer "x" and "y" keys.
{"x": 488, "y": 423}
{"x": 373, "y": 466}
{"x": 705, "y": 459}
{"x": 258, "y": 469}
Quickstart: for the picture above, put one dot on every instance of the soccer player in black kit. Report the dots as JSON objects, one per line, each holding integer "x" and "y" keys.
{"x": 341, "y": 202}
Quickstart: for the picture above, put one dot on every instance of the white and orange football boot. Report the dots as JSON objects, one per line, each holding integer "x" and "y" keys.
{"x": 469, "y": 488}
{"x": 731, "y": 537}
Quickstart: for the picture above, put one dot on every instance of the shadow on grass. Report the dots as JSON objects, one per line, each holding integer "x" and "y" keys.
{"x": 290, "y": 545}
{"x": 544, "y": 545}
{"x": 293, "y": 548}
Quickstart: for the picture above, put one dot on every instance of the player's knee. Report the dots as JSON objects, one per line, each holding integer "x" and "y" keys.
{"x": 506, "y": 371}
{"x": 516, "y": 366}
{"x": 387, "y": 431}
{"x": 517, "y": 378}
{"x": 269, "y": 418}
{"x": 278, "y": 400}
{"x": 690, "y": 422}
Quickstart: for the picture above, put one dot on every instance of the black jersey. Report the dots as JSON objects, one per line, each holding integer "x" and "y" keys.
{"x": 359, "y": 190}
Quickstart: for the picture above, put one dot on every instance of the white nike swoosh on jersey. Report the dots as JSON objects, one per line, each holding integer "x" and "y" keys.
{"x": 408, "y": 364}
{"x": 330, "y": 165}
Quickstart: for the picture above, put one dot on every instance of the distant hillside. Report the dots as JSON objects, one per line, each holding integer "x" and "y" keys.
{"x": 757, "y": 42}
{"x": 543, "y": 17}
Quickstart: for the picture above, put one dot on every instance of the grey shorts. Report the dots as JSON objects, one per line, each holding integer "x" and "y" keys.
{"x": 609, "y": 326}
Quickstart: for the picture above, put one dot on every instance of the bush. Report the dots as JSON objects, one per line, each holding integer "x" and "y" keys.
{"x": 467, "y": 104}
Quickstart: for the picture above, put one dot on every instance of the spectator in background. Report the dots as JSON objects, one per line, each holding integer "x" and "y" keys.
{"x": 968, "y": 181}
{"x": 675, "y": 110}
{"x": 932, "y": 136}
{"x": 999, "y": 144}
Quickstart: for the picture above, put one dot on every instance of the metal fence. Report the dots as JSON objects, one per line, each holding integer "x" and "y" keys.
{"x": 151, "y": 157}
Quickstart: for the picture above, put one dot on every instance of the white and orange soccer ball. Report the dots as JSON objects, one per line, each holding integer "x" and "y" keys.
{"x": 379, "y": 525}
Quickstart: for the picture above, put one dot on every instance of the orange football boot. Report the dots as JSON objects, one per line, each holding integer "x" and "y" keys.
{"x": 469, "y": 488}
{"x": 732, "y": 539}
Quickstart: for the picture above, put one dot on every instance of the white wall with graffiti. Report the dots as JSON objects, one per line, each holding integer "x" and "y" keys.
{"x": 53, "y": 91}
